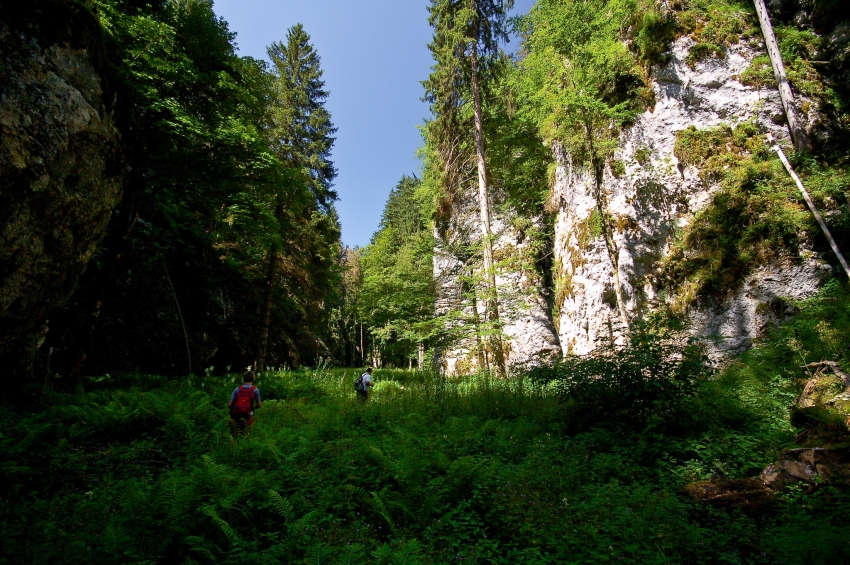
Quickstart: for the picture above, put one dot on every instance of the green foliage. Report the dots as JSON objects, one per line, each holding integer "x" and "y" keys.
{"x": 301, "y": 127}
{"x": 653, "y": 377}
{"x": 582, "y": 83}
{"x": 142, "y": 470}
{"x": 212, "y": 187}
{"x": 397, "y": 294}
{"x": 756, "y": 215}
{"x": 798, "y": 48}
{"x": 716, "y": 25}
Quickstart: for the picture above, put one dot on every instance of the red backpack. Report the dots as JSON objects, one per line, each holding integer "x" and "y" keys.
{"x": 244, "y": 402}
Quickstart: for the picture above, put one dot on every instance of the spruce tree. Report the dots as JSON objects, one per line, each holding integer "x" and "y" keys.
{"x": 465, "y": 48}
{"x": 301, "y": 128}
{"x": 301, "y": 135}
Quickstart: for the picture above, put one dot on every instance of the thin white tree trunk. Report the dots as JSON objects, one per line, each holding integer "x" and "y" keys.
{"x": 484, "y": 207}
{"x": 811, "y": 204}
{"x": 795, "y": 126}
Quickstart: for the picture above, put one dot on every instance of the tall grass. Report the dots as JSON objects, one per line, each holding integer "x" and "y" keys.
{"x": 139, "y": 469}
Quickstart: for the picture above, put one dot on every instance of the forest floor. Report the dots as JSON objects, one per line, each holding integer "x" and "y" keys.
{"x": 143, "y": 469}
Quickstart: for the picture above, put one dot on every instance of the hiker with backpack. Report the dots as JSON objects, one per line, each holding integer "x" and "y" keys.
{"x": 362, "y": 384}
{"x": 243, "y": 401}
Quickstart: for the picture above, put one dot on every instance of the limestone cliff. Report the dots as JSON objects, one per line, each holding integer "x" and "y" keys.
{"x": 59, "y": 167}
{"x": 524, "y": 305}
{"x": 655, "y": 196}
{"x": 652, "y": 198}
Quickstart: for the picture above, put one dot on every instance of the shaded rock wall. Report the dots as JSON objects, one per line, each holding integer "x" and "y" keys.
{"x": 59, "y": 162}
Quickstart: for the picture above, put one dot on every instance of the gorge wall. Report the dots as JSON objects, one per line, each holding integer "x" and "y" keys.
{"x": 59, "y": 163}
{"x": 652, "y": 197}
{"x": 656, "y": 196}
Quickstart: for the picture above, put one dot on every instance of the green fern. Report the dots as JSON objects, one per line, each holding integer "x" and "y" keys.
{"x": 229, "y": 533}
{"x": 410, "y": 553}
{"x": 354, "y": 554}
{"x": 281, "y": 506}
{"x": 203, "y": 548}
{"x": 318, "y": 555}
{"x": 379, "y": 507}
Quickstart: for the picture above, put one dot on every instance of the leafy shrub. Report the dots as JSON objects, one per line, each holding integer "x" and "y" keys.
{"x": 653, "y": 376}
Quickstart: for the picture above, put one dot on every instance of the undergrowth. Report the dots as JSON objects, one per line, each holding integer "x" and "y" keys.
{"x": 139, "y": 469}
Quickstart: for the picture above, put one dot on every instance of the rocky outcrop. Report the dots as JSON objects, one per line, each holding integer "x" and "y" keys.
{"x": 653, "y": 198}
{"x": 650, "y": 198}
{"x": 59, "y": 166}
{"x": 808, "y": 465}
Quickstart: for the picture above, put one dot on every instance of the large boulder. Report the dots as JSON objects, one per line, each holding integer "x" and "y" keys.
{"x": 59, "y": 163}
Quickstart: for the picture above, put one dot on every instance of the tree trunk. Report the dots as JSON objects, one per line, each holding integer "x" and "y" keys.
{"x": 180, "y": 314}
{"x": 480, "y": 351}
{"x": 421, "y": 357}
{"x": 812, "y": 207}
{"x": 484, "y": 207}
{"x": 795, "y": 126}
{"x": 266, "y": 316}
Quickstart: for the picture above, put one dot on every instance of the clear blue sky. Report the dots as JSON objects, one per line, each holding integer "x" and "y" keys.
{"x": 374, "y": 55}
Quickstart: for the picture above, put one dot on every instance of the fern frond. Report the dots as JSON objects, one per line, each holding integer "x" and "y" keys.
{"x": 409, "y": 554}
{"x": 281, "y": 506}
{"x": 381, "y": 509}
{"x": 202, "y": 547}
{"x": 354, "y": 555}
{"x": 231, "y": 534}
{"x": 319, "y": 555}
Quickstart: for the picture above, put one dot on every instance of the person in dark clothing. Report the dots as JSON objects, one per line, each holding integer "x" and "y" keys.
{"x": 243, "y": 401}
{"x": 362, "y": 385}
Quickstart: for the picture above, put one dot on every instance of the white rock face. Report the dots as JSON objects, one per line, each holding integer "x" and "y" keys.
{"x": 652, "y": 199}
{"x": 527, "y": 324}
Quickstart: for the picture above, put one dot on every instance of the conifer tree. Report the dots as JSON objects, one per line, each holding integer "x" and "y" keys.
{"x": 301, "y": 128}
{"x": 465, "y": 48}
{"x": 301, "y": 134}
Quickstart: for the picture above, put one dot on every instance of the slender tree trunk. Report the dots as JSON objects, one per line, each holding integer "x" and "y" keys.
{"x": 812, "y": 206}
{"x": 180, "y": 314}
{"x": 421, "y": 356}
{"x": 484, "y": 207}
{"x": 266, "y": 316}
{"x": 480, "y": 351}
{"x": 795, "y": 126}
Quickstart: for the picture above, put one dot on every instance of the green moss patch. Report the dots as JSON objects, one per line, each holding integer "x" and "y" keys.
{"x": 756, "y": 214}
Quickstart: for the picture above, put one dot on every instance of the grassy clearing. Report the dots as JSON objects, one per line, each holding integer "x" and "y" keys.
{"x": 431, "y": 470}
